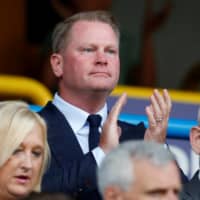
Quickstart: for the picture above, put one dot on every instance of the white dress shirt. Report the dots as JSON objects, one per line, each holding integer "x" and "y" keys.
{"x": 77, "y": 119}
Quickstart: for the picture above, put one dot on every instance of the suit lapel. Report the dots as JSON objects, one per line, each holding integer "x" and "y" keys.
{"x": 61, "y": 137}
{"x": 192, "y": 187}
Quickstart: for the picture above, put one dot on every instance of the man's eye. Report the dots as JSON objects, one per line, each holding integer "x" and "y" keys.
{"x": 87, "y": 49}
{"x": 111, "y": 51}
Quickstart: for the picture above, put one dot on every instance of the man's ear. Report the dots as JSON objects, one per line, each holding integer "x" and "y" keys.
{"x": 57, "y": 64}
{"x": 112, "y": 193}
{"x": 195, "y": 139}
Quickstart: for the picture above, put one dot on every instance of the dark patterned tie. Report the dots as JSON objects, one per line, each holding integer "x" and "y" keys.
{"x": 94, "y": 135}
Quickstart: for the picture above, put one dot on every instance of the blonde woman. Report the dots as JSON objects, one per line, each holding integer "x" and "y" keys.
{"x": 24, "y": 152}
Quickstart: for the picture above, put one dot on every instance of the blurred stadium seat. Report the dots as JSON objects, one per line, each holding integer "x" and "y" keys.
{"x": 19, "y": 87}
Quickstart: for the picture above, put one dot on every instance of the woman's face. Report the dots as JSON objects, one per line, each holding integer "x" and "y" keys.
{"x": 20, "y": 174}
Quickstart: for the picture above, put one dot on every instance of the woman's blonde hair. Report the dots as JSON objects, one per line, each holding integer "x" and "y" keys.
{"x": 17, "y": 120}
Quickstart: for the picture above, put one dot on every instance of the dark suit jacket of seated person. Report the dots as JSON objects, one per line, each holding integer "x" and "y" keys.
{"x": 191, "y": 188}
{"x": 85, "y": 60}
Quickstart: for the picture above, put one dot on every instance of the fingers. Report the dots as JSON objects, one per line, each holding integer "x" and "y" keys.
{"x": 159, "y": 110}
{"x": 150, "y": 114}
{"x": 157, "y": 104}
{"x": 111, "y": 132}
{"x": 167, "y": 99}
{"x": 161, "y": 104}
{"x": 116, "y": 109}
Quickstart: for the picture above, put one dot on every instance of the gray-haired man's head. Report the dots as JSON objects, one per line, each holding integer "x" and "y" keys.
{"x": 132, "y": 165}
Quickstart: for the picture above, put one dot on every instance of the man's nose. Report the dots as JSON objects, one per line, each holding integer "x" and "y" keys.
{"x": 101, "y": 58}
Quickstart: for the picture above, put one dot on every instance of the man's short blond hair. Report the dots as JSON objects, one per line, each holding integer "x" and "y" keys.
{"x": 61, "y": 33}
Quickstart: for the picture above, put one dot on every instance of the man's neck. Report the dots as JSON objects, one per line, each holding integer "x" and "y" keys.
{"x": 90, "y": 103}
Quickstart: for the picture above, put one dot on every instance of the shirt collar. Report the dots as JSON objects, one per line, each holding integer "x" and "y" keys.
{"x": 75, "y": 116}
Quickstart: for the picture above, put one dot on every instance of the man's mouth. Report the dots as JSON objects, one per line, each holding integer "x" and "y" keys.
{"x": 102, "y": 74}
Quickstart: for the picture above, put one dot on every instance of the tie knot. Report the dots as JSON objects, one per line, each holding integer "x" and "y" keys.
{"x": 94, "y": 120}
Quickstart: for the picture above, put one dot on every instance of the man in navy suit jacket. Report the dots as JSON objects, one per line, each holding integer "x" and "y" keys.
{"x": 85, "y": 60}
{"x": 191, "y": 189}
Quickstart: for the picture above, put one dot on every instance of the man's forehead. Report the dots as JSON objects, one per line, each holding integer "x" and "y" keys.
{"x": 152, "y": 168}
{"x": 153, "y": 179}
{"x": 93, "y": 30}
{"x": 84, "y": 22}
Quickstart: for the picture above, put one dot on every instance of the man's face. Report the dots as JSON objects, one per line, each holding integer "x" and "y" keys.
{"x": 195, "y": 139}
{"x": 20, "y": 174}
{"x": 154, "y": 182}
{"x": 91, "y": 60}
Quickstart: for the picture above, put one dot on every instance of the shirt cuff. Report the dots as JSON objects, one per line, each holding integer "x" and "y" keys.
{"x": 99, "y": 155}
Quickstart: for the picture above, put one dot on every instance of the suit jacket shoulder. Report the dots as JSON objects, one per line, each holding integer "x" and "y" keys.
{"x": 191, "y": 189}
{"x": 131, "y": 131}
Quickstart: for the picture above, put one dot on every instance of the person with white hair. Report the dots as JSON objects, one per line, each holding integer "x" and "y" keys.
{"x": 138, "y": 170}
